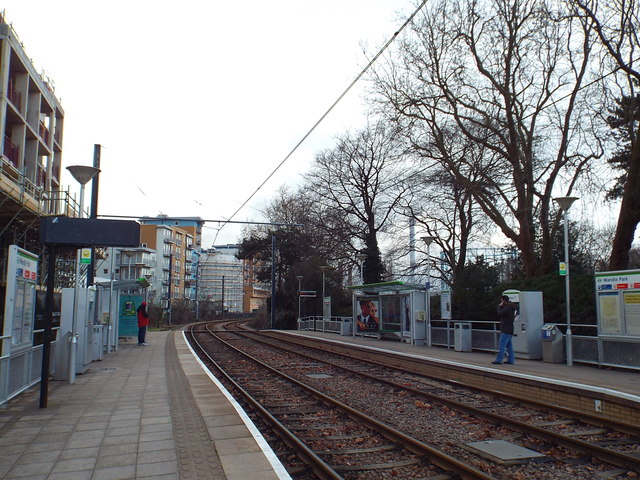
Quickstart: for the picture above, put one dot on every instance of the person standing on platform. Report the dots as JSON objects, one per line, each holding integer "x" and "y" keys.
{"x": 143, "y": 323}
{"x": 506, "y": 315}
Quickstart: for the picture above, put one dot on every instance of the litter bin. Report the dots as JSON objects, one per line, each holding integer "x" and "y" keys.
{"x": 552, "y": 344}
{"x": 462, "y": 336}
{"x": 345, "y": 328}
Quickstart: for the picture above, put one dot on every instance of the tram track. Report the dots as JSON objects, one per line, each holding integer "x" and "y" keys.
{"x": 496, "y": 408}
{"x": 583, "y": 449}
{"x": 335, "y": 440}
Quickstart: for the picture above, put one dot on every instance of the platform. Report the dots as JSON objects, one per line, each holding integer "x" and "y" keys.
{"x": 154, "y": 413}
{"x": 625, "y": 383}
{"x": 141, "y": 413}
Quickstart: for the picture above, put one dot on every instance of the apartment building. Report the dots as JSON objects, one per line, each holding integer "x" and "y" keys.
{"x": 125, "y": 264}
{"x": 176, "y": 242}
{"x": 226, "y": 280}
{"x": 31, "y": 125}
{"x": 255, "y": 293}
{"x": 220, "y": 279}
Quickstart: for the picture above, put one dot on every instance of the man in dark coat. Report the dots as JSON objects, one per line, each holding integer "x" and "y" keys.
{"x": 506, "y": 315}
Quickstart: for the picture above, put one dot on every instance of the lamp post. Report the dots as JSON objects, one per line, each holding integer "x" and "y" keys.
{"x": 324, "y": 268}
{"x": 361, "y": 258}
{"x": 565, "y": 204}
{"x": 299, "y": 277}
{"x": 82, "y": 174}
{"x": 428, "y": 239}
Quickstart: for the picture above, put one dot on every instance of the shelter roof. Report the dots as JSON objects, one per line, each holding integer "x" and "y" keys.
{"x": 387, "y": 287}
{"x": 125, "y": 284}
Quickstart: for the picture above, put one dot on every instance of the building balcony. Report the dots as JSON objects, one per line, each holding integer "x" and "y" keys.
{"x": 15, "y": 97}
{"x": 12, "y": 152}
{"x": 44, "y": 133}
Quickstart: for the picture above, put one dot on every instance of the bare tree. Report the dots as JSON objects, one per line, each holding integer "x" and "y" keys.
{"x": 616, "y": 23}
{"x": 357, "y": 187}
{"x": 507, "y": 76}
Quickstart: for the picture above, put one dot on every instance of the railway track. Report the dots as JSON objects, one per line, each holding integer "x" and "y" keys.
{"x": 334, "y": 440}
{"x": 607, "y": 440}
{"x": 575, "y": 445}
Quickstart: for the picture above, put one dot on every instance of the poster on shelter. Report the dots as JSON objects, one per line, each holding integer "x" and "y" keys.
{"x": 367, "y": 319}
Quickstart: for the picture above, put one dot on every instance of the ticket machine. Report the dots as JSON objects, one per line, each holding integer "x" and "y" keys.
{"x": 527, "y": 342}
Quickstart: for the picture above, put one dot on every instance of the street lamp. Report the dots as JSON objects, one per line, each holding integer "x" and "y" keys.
{"x": 82, "y": 174}
{"x": 361, "y": 258}
{"x": 299, "y": 277}
{"x": 428, "y": 239}
{"x": 324, "y": 268}
{"x": 565, "y": 204}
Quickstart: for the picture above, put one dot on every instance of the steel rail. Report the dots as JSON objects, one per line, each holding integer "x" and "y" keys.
{"x": 313, "y": 461}
{"x": 610, "y": 456}
{"x": 596, "y": 420}
{"x": 437, "y": 457}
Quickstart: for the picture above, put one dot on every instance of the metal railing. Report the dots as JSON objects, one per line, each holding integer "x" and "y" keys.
{"x": 599, "y": 350}
{"x": 22, "y": 369}
{"x": 340, "y": 325}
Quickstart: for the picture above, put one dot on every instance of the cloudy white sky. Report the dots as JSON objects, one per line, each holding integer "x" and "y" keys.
{"x": 196, "y": 102}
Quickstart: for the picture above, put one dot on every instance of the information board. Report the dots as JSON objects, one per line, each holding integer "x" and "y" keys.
{"x": 618, "y": 300}
{"x": 20, "y": 298}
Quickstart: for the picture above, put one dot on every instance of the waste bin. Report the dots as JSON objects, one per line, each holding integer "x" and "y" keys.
{"x": 552, "y": 344}
{"x": 462, "y": 336}
{"x": 345, "y": 328}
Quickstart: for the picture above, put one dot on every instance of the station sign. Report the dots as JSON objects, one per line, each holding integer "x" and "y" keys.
{"x": 85, "y": 255}
{"x": 622, "y": 280}
{"x": 562, "y": 269}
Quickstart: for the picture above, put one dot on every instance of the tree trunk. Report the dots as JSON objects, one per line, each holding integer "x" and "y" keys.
{"x": 629, "y": 211}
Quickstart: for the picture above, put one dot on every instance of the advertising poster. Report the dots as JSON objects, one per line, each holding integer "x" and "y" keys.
{"x": 367, "y": 319}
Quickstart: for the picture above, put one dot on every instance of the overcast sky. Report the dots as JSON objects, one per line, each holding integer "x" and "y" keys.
{"x": 195, "y": 103}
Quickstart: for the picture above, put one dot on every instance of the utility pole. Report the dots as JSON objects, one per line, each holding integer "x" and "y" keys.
{"x": 169, "y": 289}
{"x": 94, "y": 211}
{"x": 222, "y": 302}
{"x": 273, "y": 280}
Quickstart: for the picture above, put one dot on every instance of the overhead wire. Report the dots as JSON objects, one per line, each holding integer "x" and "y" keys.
{"x": 326, "y": 113}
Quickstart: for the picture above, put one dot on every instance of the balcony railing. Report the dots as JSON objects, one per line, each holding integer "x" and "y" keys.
{"x": 11, "y": 151}
{"x": 44, "y": 133}
{"x": 42, "y": 177}
{"x": 15, "y": 96}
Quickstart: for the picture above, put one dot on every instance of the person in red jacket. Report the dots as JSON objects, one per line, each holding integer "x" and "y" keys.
{"x": 143, "y": 323}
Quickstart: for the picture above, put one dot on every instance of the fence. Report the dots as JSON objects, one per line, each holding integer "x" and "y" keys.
{"x": 622, "y": 352}
{"x": 340, "y": 325}
{"x": 22, "y": 369}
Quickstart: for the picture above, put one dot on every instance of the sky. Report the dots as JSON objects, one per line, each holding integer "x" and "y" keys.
{"x": 195, "y": 103}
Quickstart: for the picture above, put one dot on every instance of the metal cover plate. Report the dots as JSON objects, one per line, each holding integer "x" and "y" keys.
{"x": 503, "y": 452}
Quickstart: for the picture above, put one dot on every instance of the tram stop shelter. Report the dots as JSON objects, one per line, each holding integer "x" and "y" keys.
{"x": 117, "y": 304}
{"x": 391, "y": 310}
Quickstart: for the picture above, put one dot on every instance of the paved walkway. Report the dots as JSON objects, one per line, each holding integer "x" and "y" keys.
{"x": 141, "y": 413}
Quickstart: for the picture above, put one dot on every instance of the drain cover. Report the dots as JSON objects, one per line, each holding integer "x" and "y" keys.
{"x": 503, "y": 452}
